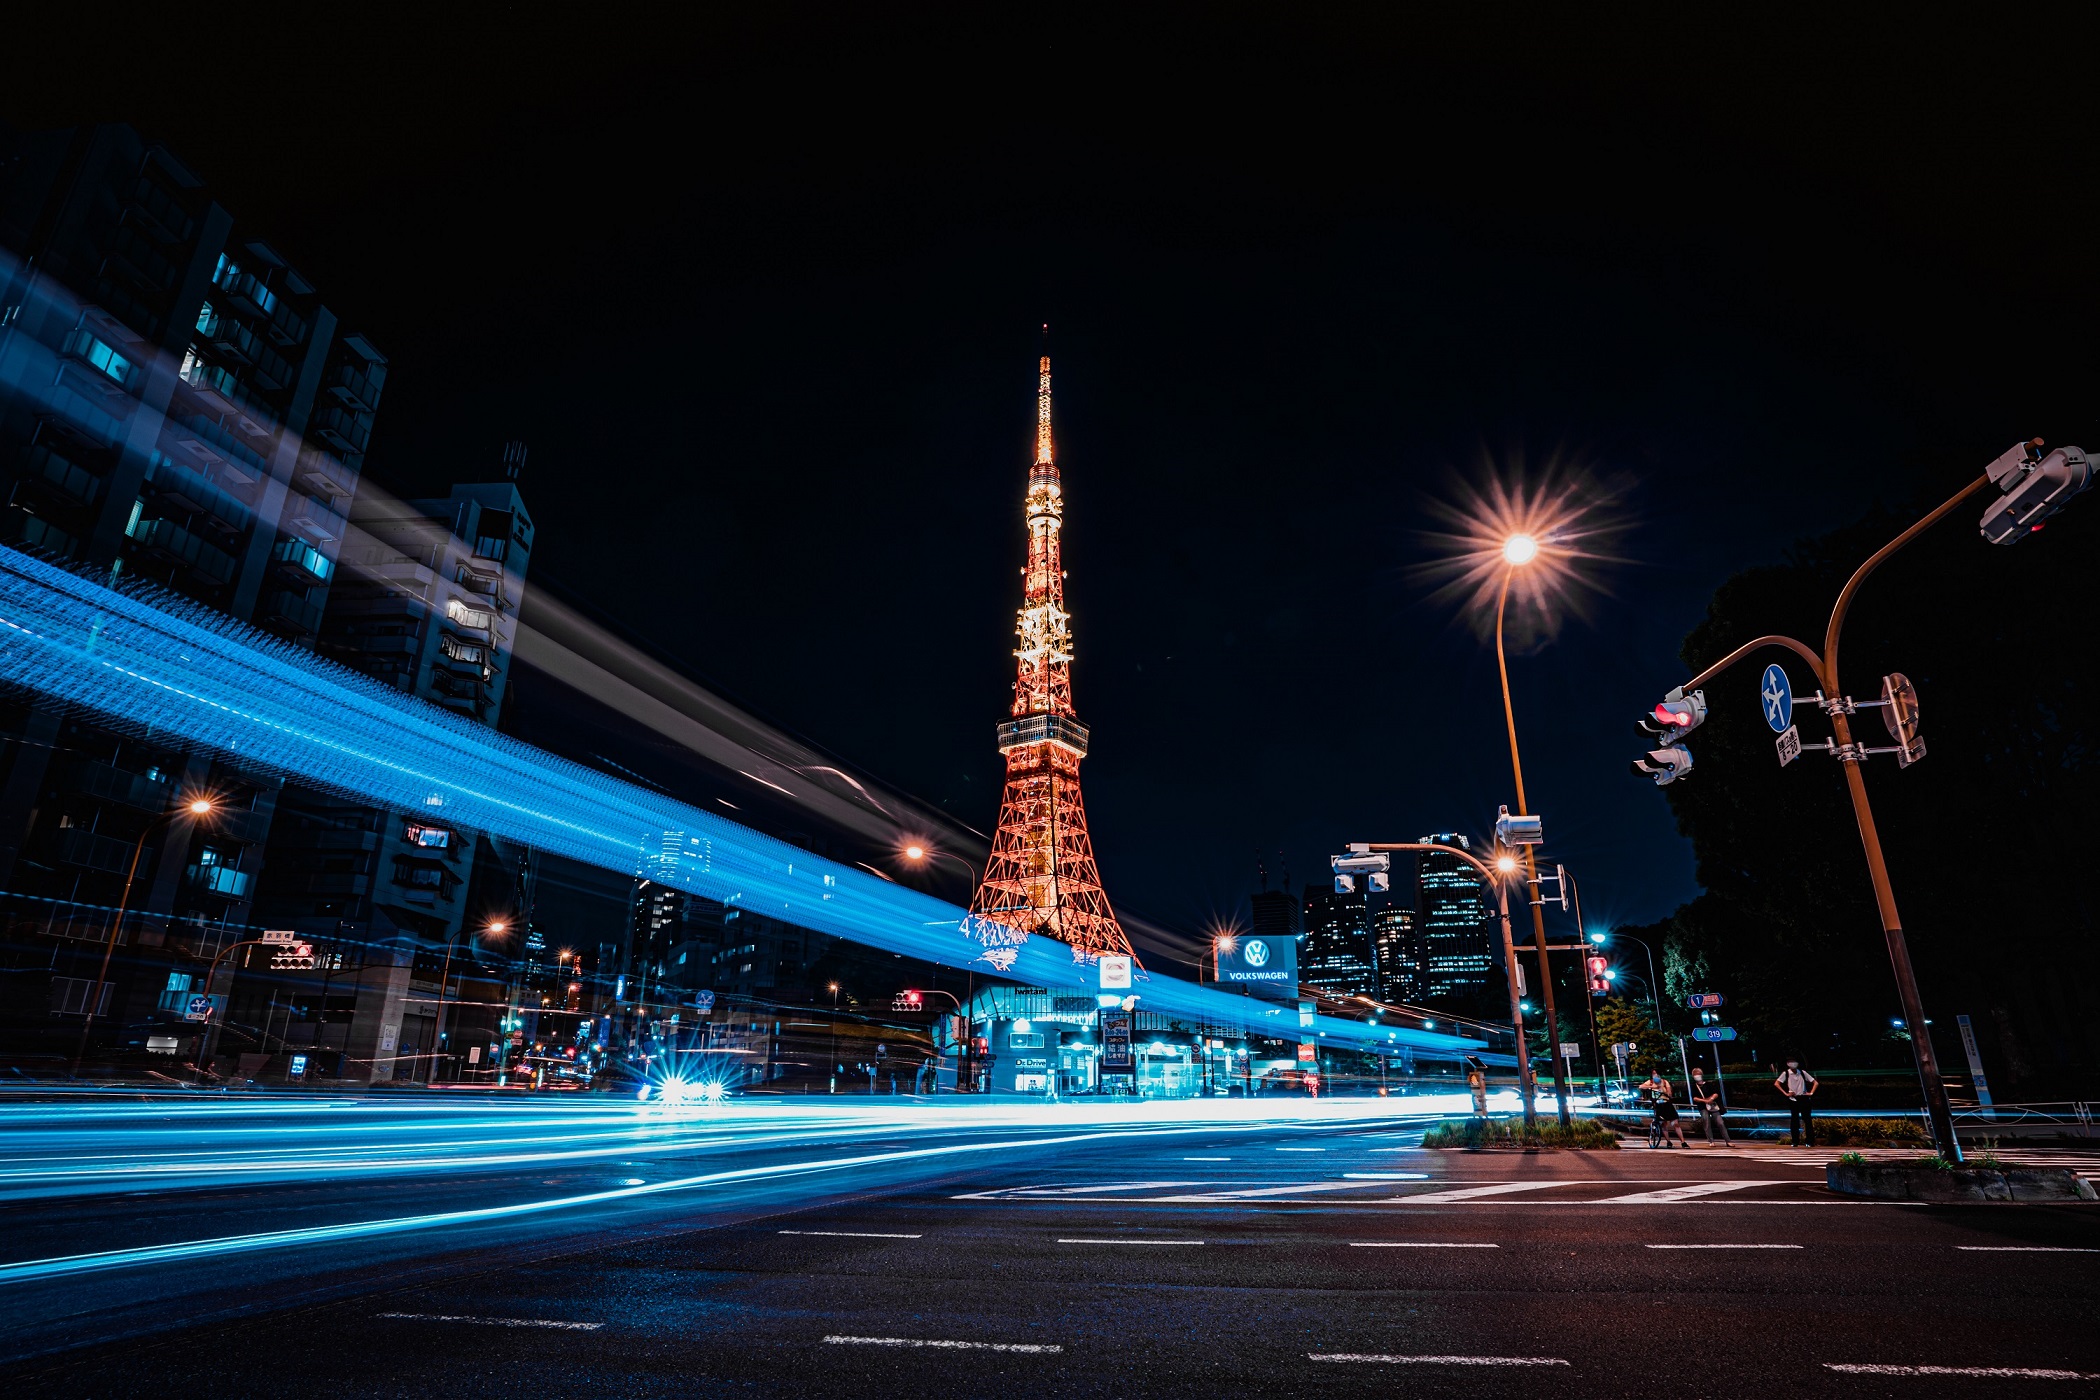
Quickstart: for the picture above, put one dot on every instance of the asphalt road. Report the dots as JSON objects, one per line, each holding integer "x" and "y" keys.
{"x": 1213, "y": 1260}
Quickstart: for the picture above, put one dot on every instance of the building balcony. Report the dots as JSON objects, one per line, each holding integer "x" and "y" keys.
{"x": 214, "y": 384}
{"x": 355, "y": 386}
{"x": 220, "y": 880}
{"x": 62, "y": 476}
{"x": 78, "y": 846}
{"x": 299, "y": 561}
{"x": 343, "y": 429}
{"x": 191, "y": 492}
{"x": 229, "y": 336}
{"x": 170, "y": 541}
{"x": 324, "y": 475}
{"x": 291, "y": 611}
{"x": 95, "y": 778}
{"x": 244, "y": 290}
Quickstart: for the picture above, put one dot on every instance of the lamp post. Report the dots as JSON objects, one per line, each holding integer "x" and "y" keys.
{"x": 197, "y": 808}
{"x": 1518, "y": 551}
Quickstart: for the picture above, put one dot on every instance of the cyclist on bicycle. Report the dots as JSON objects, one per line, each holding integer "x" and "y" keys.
{"x": 1656, "y": 1093}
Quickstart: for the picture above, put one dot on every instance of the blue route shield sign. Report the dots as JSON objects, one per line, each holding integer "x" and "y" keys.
{"x": 1713, "y": 1032}
{"x": 1777, "y": 695}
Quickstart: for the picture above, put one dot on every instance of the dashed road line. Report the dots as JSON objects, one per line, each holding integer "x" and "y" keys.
{"x": 1030, "y": 1348}
{"x": 1417, "y": 1244}
{"x": 496, "y": 1321}
{"x": 853, "y": 1234}
{"x": 2016, "y": 1373}
{"x": 1386, "y": 1176}
{"x": 1383, "y": 1359}
{"x": 2022, "y": 1249}
{"x": 1130, "y": 1242}
{"x": 1721, "y": 1246}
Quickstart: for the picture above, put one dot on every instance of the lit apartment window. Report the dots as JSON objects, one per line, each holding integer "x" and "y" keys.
{"x": 459, "y": 650}
{"x": 431, "y": 838}
{"x": 100, "y": 354}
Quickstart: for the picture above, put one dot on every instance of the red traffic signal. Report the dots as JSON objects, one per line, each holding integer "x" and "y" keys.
{"x": 1600, "y": 976}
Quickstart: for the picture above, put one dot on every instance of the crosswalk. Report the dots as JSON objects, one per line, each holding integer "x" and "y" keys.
{"x": 1593, "y": 1191}
{"x": 2086, "y": 1164}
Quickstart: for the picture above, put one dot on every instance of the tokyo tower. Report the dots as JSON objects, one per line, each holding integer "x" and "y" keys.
{"x": 1041, "y": 877}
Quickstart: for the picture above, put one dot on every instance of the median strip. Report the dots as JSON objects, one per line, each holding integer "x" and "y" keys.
{"x": 1033, "y": 1348}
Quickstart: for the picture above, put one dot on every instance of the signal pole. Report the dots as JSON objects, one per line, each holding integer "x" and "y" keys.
{"x": 2034, "y": 487}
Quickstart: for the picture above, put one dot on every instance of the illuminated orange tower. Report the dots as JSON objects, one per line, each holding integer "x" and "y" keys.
{"x": 1041, "y": 877}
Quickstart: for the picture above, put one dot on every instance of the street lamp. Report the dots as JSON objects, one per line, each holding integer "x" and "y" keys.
{"x": 1518, "y": 551}
{"x": 197, "y": 808}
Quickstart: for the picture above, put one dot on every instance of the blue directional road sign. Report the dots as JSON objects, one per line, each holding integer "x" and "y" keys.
{"x": 1699, "y": 1001}
{"x": 1713, "y": 1032}
{"x": 1777, "y": 693}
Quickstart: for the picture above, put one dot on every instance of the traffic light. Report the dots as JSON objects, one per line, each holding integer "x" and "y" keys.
{"x": 1600, "y": 976}
{"x": 1674, "y": 716}
{"x": 2035, "y": 487}
{"x": 1518, "y": 831}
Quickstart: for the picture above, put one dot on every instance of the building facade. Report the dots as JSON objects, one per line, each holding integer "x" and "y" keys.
{"x": 177, "y": 407}
{"x": 1396, "y": 947}
{"x": 1338, "y": 957}
{"x": 1457, "y": 957}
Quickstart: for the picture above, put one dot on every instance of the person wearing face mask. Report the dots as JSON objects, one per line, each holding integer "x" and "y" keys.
{"x": 1708, "y": 1098}
{"x": 1798, "y": 1086}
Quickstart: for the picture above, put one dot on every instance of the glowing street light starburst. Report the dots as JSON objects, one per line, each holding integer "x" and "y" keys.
{"x": 1547, "y": 534}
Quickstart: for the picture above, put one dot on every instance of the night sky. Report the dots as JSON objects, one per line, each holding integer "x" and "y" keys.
{"x": 764, "y": 297}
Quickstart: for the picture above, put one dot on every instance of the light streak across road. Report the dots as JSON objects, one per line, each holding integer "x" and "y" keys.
{"x": 144, "y": 660}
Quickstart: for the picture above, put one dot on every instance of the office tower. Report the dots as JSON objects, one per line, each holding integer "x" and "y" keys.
{"x": 1398, "y": 952}
{"x": 1457, "y": 956}
{"x": 1338, "y": 957}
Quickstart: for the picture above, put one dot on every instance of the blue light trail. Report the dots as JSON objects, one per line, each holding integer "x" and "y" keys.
{"x": 152, "y": 663}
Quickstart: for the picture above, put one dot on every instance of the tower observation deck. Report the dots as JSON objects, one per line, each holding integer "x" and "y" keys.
{"x": 1041, "y": 877}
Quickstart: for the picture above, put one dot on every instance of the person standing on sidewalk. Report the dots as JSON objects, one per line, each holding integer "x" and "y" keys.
{"x": 1798, "y": 1086}
{"x": 1708, "y": 1097}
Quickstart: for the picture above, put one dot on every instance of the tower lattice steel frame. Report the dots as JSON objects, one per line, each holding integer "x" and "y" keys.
{"x": 1041, "y": 877}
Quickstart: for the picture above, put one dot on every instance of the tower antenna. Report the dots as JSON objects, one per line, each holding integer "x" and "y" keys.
{"x": 1041, "y": 877}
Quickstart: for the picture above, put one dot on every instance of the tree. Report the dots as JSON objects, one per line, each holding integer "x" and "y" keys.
{"x": 1620, "y": 1022}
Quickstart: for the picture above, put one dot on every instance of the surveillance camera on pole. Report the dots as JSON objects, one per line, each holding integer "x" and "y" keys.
{"x": 2034, "y": 488}
{"x": 1375, "y": 864}
{"x": 1519, "y": 831}
{"x": 1675, "y": 716}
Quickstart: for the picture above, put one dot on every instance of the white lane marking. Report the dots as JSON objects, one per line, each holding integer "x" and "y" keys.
{"x": 852, "y": 1234}
{"x": 1471, "y": 1193}
{"x": 1415, "y": 1244}
{"x": 1387, "y": 1176}
{"x": 1130, "y": 1241}
{"x": 1684, "y": 1193}
{"x": 2023, "y": 1373}
{"x": 1024, "y": 1192}
{"x": 1436, "y": 1360}
{"x": 1301, "y": 1149}
{"x": 497, "y": 1321}
{"x": 1206, "y": 1159}
{"x": 2022, "y": 1249}
{"x": 1721, "y": 1246}
{"x": 1263, "y": 1193}
{"x": 1033, "y": 1348}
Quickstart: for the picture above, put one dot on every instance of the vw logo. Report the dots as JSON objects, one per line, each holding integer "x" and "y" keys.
{"x": 1254, "y": 953}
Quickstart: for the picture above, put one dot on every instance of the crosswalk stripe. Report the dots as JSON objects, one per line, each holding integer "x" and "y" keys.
{"x": 1683, "y": 1193}
{"x": 1474, "y": 1193}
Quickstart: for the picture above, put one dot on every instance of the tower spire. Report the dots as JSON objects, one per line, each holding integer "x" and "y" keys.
{"x": 1041, "y": 877}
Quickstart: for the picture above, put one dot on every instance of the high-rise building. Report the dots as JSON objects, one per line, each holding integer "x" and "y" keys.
{"x": 177, "y": 406}
{"x": 1398, "y": 952}
{"x": 1041, "y": 877}
{"x": 1277, "y": 914}
{"x": 428, "y": 603}
{"x": 1338, "y": 957}
{"x": 1457, "y": 960}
